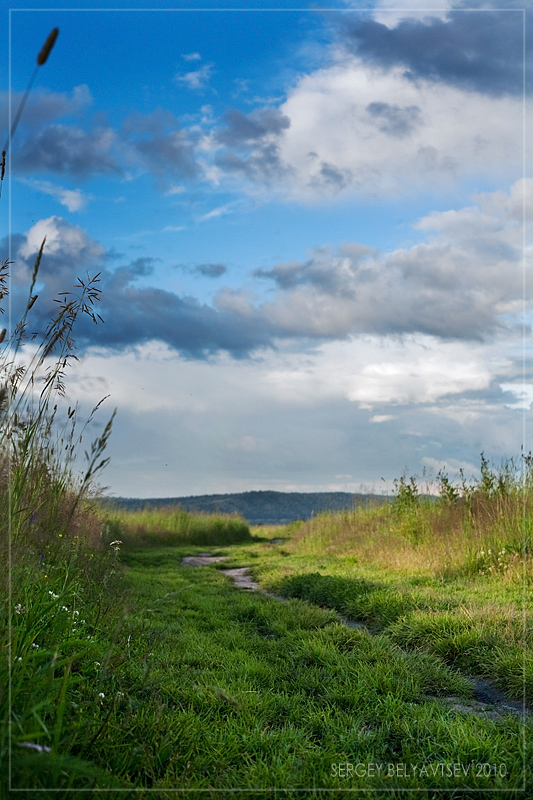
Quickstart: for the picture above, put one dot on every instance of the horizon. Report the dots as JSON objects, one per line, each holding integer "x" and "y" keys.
{"x": 310, "y": 226}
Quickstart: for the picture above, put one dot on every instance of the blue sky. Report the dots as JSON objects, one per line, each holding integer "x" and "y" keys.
{"x": 309, "y": 227}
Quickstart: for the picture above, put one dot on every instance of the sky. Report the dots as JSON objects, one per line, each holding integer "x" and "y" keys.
{"x": 311, "y": 229}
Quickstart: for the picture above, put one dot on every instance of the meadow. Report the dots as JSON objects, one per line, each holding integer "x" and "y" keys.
{"x": 359, "y": 666}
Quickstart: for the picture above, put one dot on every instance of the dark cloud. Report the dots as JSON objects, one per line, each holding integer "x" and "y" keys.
{"x": 466, "y": 283}
{"x": 170, "y": 154}
{"x": 68, "y": 150}
{"x": 210, "y": 270}
{"x": 154, "y": 142}
{"x": 245, "y": 128}
{"x": 207, "y": 270}
{"x": 393, "y": 119}
{"x": 251, "y": 141}
{"x": 262, "y": 164}
{"x": 480, "y": 50}
{"x": 159, "y": 144}
{"x": 325, "y": 271}
{"x": 132, "y": 315}
{"x": 43, "y": 106}
{"x": 332, "y": 177}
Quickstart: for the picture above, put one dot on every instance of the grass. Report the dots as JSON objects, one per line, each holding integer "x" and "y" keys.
{"x": 459, "y": 588}
{"x": 172, "y": 525}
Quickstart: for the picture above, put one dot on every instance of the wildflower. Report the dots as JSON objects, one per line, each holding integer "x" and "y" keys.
{"x": 32, "y": 746}
{"x": 76, "y": 613}
{"x": 60, "y": 535}
{"x": 64, "y": 608}
{"x": 36, "y": 646}
{"x": 53, "y": 596}
{"x": 19, "y": 609}
{"x": 101, "y": 696}
{"x": 96, "y": 663}
{"x": 115, "y": 545}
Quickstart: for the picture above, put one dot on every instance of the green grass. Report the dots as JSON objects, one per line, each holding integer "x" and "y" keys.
{"x": 226, "y": 690}
{"x": 169, "y": 526}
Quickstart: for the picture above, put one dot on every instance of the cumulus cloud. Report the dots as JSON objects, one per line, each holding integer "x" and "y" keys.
{"x": 460, "y": 284}
{"x": 248, "y": 144}
{"x": 354, "y": 127}
{"x": 154, "y": 142}
{"x": 464, "y": 283}
{"x": 394, "y": 120}
{"x": 206, "y": 270}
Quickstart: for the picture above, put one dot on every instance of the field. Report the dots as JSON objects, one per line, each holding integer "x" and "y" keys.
{"x": 132, "y": 671}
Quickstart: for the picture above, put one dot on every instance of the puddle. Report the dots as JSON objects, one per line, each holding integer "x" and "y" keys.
{"x": 201, "y": 560}
{"x": 241, "y": 577}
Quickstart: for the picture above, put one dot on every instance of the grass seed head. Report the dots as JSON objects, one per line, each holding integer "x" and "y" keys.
{"x": 47, "y": 47}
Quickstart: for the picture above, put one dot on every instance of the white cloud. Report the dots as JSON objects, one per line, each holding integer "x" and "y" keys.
{"x": 391, "y": 12}
{"x": 221, "y": 211}
{"x": 60, "y": 236}
{"x": 371, "y": 371}
{"x": 285, "y": 421}
{"x": 172, "y": 190}
{"x": 465, "y": 282}
{"x": 73, "y": 199}
{"x": 357, "y": 128}
{"x": 523, "y": 393}
{"x": 197, "y": 79}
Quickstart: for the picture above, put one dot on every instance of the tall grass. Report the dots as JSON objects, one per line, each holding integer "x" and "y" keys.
{"x": 173, "y": 526}
{"x": 59, "y": 586}
{"x": 482, "y": 527}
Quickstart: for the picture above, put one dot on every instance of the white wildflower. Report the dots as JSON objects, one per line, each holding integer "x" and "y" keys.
{"x": 32, "y": 746}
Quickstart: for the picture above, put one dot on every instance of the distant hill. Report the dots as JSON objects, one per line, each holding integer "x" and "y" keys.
{"x": 257, "y": 508}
